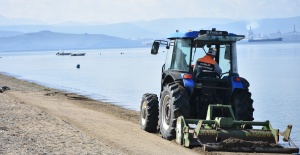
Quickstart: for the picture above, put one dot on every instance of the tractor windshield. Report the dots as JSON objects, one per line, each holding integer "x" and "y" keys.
{"x": 222, "y": 56}
{"x": 187, "y": 51}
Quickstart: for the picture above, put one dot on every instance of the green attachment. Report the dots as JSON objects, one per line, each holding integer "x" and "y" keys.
{"x": 214, "y": 130}
{"x": 211, "y": 107}
{"x": 286, "y": 134}
{"x": 182, "y": 130}
{"x": 224, "y": 122}
{"x": 199, "y": 125}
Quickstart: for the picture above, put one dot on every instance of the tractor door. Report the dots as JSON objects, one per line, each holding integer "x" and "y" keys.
{"x": 179, "y": 58}
{"x": 177, "y": 61}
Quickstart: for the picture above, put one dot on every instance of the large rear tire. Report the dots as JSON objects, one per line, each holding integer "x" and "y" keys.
{"x": 242, "y": 105}
{"x": 149, "y": 113}
{"x": 174, "y": 102}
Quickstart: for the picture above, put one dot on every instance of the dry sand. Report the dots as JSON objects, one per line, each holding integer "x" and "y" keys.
{"x": 39, "y": 120}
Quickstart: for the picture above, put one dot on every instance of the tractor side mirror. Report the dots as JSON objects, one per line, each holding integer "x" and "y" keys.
{"x": 155, "y": 47}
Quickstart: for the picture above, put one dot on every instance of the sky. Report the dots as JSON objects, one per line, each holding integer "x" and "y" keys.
{"x": 116, "y": 11}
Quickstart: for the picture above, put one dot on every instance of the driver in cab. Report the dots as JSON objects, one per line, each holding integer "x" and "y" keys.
{"x": 208, "y": 64}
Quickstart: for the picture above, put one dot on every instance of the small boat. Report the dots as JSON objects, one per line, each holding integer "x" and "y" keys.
{"x": 77, "y": 54}
{"x": 62, "y": 53}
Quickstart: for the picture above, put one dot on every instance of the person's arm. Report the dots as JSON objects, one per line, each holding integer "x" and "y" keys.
{"x": 218, "y": 70}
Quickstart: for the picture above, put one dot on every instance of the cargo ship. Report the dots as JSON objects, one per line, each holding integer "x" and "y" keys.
{"x": 262, "y": 39}
{"x": 251, "y": 39}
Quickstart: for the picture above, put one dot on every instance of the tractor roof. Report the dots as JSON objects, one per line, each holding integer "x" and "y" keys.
{"x": 207, "y": 35}
{"x": 190, "y": 34}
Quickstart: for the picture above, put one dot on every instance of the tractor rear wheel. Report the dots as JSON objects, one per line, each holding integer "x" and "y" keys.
{"x": 174, "y": 102}
{"x": 149, "y": 113}
{"x": 242, "y": 105}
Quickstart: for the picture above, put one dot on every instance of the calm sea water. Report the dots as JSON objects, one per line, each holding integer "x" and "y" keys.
{"x": 107, "y": 75}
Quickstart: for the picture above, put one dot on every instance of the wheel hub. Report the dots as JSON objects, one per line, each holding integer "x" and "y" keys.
{"x": 144, "y": 112}
{"x": 166, "y": 112}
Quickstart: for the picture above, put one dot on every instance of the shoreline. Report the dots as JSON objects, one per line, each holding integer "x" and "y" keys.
{"x": 108, "y": 107}
{"x": 61, "y": 89}
{"x": 40, "y": 120}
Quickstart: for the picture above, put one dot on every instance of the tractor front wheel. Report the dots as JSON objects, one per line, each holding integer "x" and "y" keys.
{"x": 174, "y": 102}
{"x": 149, "y": 113}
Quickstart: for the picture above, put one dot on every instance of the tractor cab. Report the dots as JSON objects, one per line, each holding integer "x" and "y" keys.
{"x": 184, "y": 49}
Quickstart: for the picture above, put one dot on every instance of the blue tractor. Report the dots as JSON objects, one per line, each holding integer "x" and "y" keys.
{"x": 219, "y": 105}
{"x": 187, "y": 91}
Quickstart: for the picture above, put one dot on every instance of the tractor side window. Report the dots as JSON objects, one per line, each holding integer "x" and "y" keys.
{"x": 224, "y": 58}
{"x": 169, "y": 55}
{"x": 181, "y": 55}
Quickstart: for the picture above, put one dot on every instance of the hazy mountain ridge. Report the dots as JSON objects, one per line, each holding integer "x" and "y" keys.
{"x": 47, "y": 40}
{"x": 70, "y": 35}
{"x": 123, "y": 30}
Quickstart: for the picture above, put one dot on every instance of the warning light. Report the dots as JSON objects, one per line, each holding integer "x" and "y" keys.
{"x": 187, "y": 76}
{"x": 237, "y": 79}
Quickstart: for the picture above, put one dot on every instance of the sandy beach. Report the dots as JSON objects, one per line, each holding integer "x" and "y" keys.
{"x": 40, "y": 120}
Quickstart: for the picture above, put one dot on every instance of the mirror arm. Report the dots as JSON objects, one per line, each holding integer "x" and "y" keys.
{"x": 156, "y": 44}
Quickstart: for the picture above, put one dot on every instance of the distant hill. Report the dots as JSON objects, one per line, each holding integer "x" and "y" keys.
{"x": 47, "y": 40}
{"x": 28, "y": 34}
{"x": 122, "y": 30}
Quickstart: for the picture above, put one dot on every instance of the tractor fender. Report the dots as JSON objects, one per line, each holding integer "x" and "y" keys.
{"x": 170, "y": 77}
{"x": 174, "y": 76}
{"x": 245, "y": 83}
{"x": 236, "y": 86}
{"x": 241, "y": 83}
{"x": 188, "y": 83}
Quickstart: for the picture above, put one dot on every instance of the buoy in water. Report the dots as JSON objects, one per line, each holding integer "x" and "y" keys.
{"x": 78, "y": 66}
